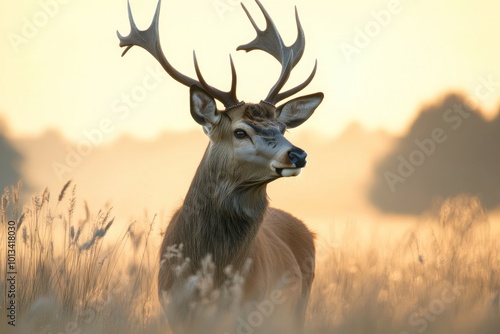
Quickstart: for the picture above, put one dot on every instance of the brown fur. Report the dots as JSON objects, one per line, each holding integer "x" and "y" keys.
{"x": 225, "y": 213}
{"x": 227, "y": 216}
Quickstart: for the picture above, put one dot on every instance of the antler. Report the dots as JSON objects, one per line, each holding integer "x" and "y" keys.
{"x": 149, "y": 40}
{"x": 269, "y": 40}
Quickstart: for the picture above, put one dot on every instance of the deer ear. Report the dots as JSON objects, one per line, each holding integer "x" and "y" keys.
{"x": 295, "y": 112}
{"x": 203, "y": 107}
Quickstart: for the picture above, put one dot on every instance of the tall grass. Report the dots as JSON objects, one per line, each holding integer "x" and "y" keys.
{"x": 443, "y": 276}
{"x": 83, "y": 272}
{"x": 68, "y": 278}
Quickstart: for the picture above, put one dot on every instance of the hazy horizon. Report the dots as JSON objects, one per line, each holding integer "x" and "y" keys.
{"x": 410, "y": 115}
{"x": 378, "y": 61}
{"x": 135, "y": 175}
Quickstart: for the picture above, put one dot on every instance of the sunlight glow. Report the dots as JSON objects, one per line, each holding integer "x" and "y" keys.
{"x": 65, "y": 71}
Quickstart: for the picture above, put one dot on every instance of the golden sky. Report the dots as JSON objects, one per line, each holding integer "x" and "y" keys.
{"x": 378, "y": 61}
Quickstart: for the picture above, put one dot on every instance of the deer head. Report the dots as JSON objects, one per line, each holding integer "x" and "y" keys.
{"x": 247, "y": 137}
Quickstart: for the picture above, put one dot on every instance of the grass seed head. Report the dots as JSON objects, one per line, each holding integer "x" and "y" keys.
{"x": 63, "y": 191}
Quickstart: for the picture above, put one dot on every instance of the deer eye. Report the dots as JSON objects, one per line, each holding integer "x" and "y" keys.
{"x": 240, "y": 134}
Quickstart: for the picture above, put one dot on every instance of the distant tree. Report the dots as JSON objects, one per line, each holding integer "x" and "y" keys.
{"x": 449, "y": 149}
{"x": 10, "y": 162}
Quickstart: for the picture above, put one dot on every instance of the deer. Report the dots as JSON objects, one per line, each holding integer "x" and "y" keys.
{"x": 226, "y": 213}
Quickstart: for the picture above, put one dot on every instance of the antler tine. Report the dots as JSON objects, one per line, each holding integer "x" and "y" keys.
{"x": 295, "y": 90}
{"x": 229, "y": 99}
{"x": 286, "y": 70}
{"x": 269, "y": 40}
{"x": 234, "y": 80}
{"x": 150, "y": 41}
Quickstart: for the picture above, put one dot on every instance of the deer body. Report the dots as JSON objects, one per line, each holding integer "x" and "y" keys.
{"x": 228, "y": 217}
{"x": 225, "y": 214}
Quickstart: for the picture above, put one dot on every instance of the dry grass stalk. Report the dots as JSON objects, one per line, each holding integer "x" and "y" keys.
{"x": 442, "y": 277}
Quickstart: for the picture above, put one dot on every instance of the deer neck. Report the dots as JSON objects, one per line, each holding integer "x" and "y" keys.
{"x": 221, "y": 216}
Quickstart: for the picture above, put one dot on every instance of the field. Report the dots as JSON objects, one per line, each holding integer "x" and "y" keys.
{"x": 82, "y": 272}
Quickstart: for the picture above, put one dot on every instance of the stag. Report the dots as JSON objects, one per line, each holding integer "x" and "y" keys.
{"x": 225, "y": 214}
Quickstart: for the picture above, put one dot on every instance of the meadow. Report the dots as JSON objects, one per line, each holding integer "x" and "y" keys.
{"x": 80, "y": 271}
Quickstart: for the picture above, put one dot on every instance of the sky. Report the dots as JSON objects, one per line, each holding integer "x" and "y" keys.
{"x": 379, "y": 62}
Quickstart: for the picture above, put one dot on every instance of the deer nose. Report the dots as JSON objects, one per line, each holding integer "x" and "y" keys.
{"x": 297, "y": 157}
